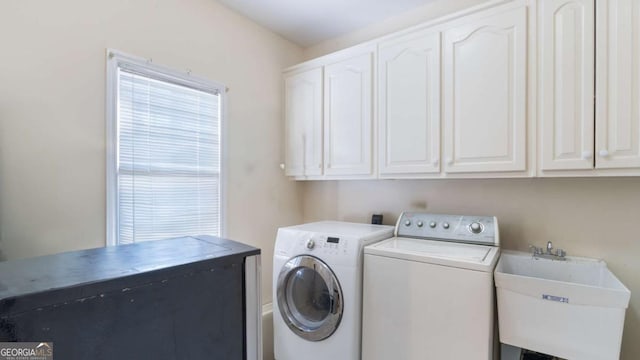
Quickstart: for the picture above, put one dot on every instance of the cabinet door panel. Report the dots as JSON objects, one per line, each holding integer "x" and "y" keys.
{"x": 348, "y": 120}
{"x": 303, "y": 125}
{"x": 618, "y": 85}
{"x": 567, "y": 84}
{"x": 485, "y": 94}
{"x": 409, "y": 103}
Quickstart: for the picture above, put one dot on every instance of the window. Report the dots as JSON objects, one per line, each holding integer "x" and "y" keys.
{"x": 164, "y": 152}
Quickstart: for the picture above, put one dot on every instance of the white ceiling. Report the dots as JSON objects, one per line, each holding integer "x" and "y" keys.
{"x": 308, "y": 22}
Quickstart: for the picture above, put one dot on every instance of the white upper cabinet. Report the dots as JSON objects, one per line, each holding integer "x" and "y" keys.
{"x": 485, "y": 93}
{"x": 409, "y": 104}
{"x": 348, "y": 118}
{"x": 567, "y": 54}
{"x": 504, "y": 89}
{"x": 618, "y": 84}
{"x": 303, "y": 123}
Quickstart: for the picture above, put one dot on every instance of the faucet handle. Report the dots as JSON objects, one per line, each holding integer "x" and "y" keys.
{"x": 535, "y": 250}
{"x": 560, "y": 253}
{"x": 549, "y": 247}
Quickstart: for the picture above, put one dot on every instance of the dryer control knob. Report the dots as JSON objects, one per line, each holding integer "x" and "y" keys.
{"x": 475, "y": 227}
{"x": 407, "y": 223}
{"x": 311, "y": 244}
{"x": 419, "y": 223}
{"x": 445, "y": 225}
{"x": 433, "y": 224}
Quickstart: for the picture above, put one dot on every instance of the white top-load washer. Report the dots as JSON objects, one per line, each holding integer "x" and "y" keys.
{"x": 428, "y": 291}
{"x": 317, "y": 287}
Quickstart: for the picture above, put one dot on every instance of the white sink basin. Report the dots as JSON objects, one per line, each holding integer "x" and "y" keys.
{"x": 572, "y": 309}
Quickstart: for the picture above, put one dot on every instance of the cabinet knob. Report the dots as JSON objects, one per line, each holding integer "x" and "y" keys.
{"x": 603, "y": 153}
{"x": 436, "y": 161}
{"x": 282, "y": 166}
{"x": 587, "y": 155}
{"x": 449, "y": 161}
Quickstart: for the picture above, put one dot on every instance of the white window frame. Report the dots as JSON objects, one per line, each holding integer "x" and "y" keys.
{"x": 114, "y": 60}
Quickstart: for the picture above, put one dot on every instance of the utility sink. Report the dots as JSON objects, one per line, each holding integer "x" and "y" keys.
{"x": 572, "y": 309}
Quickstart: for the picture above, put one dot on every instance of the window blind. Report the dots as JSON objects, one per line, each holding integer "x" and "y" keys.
{"x": 168, "y": 159}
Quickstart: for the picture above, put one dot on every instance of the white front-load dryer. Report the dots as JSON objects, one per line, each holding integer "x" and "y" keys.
{"x": 317, "y": 289}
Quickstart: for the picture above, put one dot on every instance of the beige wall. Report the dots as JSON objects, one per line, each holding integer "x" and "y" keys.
{"x": 52, "y": 114}
{"x": 587, "y": 217}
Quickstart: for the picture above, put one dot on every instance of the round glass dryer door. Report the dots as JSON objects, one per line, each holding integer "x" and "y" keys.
{"x": 309, "y": 298}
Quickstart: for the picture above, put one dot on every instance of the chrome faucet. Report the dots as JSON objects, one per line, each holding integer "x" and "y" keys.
{"x": 537, "y": 252}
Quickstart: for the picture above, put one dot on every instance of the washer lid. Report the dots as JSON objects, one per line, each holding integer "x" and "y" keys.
{"x": 466, "y": 256}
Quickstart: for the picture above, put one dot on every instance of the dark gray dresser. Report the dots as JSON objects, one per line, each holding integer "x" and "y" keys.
{"x": 183, "y": 298}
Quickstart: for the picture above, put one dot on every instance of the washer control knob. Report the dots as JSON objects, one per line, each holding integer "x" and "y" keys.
{"x": 419, "y": 223}
{"x": 433, "y": 224}
{"x": 475, "y": 227}
{"x": 445, "y": 225}
{"x": 407, "y": 223}
{"x": 311, "y": 244}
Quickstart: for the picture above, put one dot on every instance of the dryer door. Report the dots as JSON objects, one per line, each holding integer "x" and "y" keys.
{"x": 309, "y": 298}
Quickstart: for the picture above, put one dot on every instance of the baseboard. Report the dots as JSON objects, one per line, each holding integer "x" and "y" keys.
{"x": 267, "y": 331}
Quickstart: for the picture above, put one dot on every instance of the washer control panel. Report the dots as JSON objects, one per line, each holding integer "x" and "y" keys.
{"x": 481, "y": 230}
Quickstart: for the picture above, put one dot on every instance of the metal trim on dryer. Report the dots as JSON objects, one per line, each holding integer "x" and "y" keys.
{"x": 306, "y": 328}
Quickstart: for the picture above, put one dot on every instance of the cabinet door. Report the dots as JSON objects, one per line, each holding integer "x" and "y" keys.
{"x": 347, "y": 116}
{"x": 303, "y": 124}
{"x": 618, "y": 84}
{"x": 485, "y": 94}
{"x": 409, "y": 104}
{"x": 567, "y": 84}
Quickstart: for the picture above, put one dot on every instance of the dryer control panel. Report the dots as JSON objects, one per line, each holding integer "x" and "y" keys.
{"x": 482, "y": 230}
{"x": 340, "y": 250}
{"x": 331, "y": 249}
{"x": 328, "y": 245}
